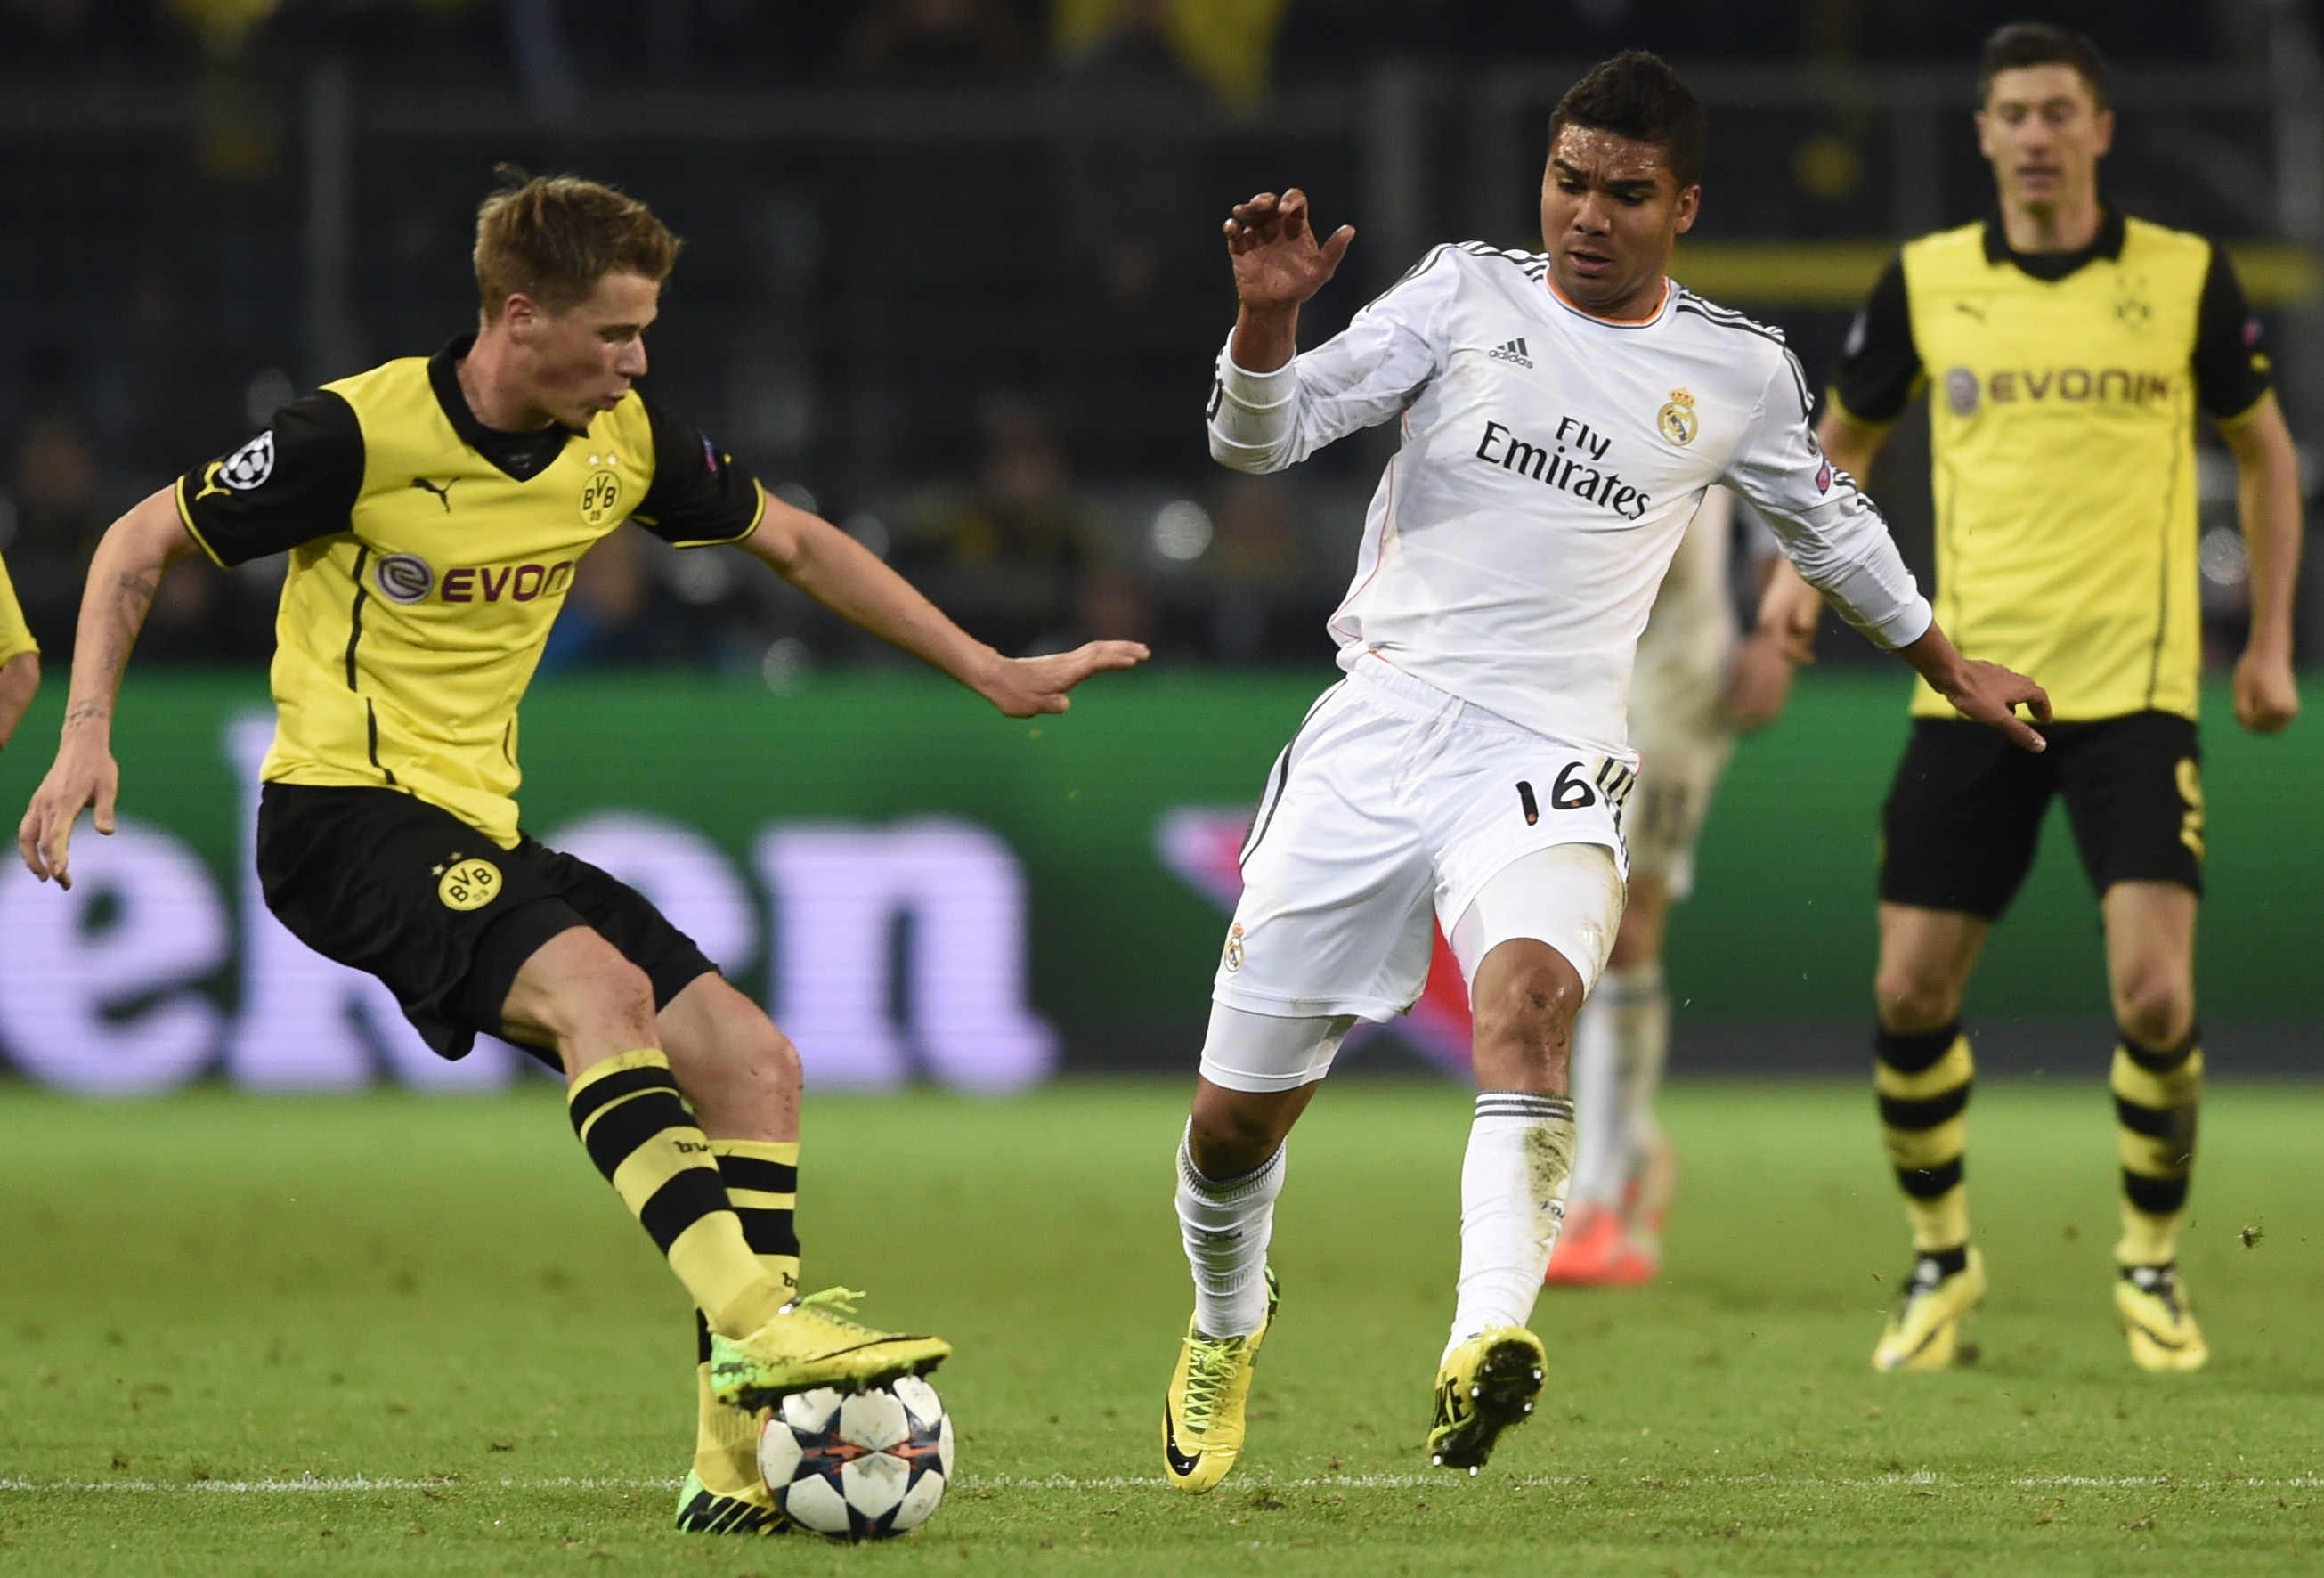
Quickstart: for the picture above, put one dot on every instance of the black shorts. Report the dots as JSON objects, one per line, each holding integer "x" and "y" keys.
{"x": 406, "y": 891}
{"x": 1962, "y": 818}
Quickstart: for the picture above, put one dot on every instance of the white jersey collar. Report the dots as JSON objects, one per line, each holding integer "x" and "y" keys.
{"x": 1670, "y": 299}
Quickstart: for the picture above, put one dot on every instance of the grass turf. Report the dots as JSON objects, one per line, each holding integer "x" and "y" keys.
{"x": 436, "y": 1311}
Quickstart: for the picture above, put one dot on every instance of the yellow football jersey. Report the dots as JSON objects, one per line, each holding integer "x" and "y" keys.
{"x": 2063, "y": 392}
{"x": 15, "y": 635}
{"x": 430, "y": 555}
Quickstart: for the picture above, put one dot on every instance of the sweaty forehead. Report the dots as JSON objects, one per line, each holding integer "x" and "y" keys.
{"x": 1609, "y": 158}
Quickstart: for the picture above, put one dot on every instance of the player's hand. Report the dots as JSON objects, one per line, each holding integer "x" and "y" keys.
{"x": 2267, "y": 697}
{"x": 1789, "y": 613}
{"x": 84, "y": 774}
{"x": 1277, "y": 262}
{"x": 1989, "y": 694}
{"x": 1026, "y": 687}
{"x": 1758, "y": 683}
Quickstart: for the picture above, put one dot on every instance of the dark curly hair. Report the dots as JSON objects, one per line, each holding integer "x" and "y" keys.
{"x": 2041, "y": 43}
{"x": 1636, "y": 94}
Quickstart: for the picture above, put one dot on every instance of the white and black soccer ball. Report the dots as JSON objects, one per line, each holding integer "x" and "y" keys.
{"x": 858, "y": 1465}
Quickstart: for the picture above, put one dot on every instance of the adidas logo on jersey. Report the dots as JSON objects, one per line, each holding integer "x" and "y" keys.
{"x": 1515, "y": 351}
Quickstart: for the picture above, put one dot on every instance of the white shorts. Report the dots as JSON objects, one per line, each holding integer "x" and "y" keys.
{"x": 1391, "y": 808}
{"x": 1664, "y": 823}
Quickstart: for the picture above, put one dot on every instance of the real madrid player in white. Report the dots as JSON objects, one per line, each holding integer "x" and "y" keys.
{"x": 1561, "y": 416}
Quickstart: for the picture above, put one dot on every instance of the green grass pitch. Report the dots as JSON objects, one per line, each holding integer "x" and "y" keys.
{"x": 435, "y": 1315}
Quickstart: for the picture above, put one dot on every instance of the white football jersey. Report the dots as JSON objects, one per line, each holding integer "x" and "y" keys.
{"x": 1550, "y": 464}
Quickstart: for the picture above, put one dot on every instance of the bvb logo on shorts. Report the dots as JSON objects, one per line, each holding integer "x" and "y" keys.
{"x": 599, "y": 494}
{"x": 1235, "y": 947}
{"x": 1677, "y": 419}
{"x": 468, "y": 884}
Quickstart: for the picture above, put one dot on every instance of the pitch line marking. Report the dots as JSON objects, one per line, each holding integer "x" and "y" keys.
{"x": 359, "y": 1483}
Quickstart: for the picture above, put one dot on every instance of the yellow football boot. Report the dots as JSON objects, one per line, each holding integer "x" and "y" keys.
{"x": 1924, "y": 1332}
{"x": 1202, "y": 1419}
{"x": 1484, "y": 1386}
{"x": 812, "y": 1342}
{"x": 2159, "y": 1320}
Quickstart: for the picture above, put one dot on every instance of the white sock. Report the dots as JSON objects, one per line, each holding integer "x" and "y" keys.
{"x": 1638, "y": 1009}
{"x": 1513, "y": 1184}
{"x": 1225, "y": 1225}
{"x": 1601, "y": 1148}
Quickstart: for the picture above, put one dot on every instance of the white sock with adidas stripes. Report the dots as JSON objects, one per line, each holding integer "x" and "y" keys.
{"x": 1225, "y": 1224}
{"x": 1513, "y": 1184}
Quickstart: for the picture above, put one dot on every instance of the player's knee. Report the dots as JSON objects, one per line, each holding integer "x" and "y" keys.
{"x": 1913, "y": 1002}
{"x": 2154, "y": 1006}
{"x": 1231, "y": 1135}
{"x": 1523, "y": 1014}
{"x": 613, "y": 1002}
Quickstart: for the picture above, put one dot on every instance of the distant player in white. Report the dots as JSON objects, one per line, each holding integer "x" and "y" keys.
{"x": 1698, "y": 685}
{"x": 1561, "y": 416}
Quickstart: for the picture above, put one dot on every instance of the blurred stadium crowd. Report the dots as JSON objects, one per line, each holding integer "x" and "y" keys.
{"x": 953, "y": 274}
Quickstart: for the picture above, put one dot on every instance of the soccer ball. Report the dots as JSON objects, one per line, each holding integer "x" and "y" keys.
{"x": 858, "y": 1465}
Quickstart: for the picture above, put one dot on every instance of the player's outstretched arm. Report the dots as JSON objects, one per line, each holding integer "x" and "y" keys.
{"x": 2267, "y": 506}
{"x": 1985, "y": 693}
{"x": 849, "y": 579}
{"x": 20, "y": 681}
{"x": 121, "y": 578}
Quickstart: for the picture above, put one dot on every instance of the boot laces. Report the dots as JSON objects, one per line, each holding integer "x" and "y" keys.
{"x": 1211, "y": 1368}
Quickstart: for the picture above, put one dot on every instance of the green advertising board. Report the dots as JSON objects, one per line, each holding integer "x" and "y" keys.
{"x": 919, "y": 887}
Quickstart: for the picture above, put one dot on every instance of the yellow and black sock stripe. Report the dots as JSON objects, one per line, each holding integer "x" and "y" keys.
{"x": 2155, "y": 1095}
{"x": 762, "y": 1178}
{"x": 636, "y": 1128}
{"x": 1923, "y": 1082}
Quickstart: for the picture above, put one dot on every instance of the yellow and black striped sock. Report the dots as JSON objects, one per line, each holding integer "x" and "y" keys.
{"x": 1922, "y": 1082}
{"x": 635, "y": 1126}
{"x": 2155, "y": 1094}
{"x": 761, "y": 1179}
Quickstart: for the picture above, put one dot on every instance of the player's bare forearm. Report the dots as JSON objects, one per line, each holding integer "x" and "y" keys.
{"x": 20, "y": 681}
{"x": 1265, "y": 338}
{"x": 2268, "y": 508}
{"x": 1982, "y": 692}
{"x": 1849, "y": 446}
{"x": 1789, "y": 611}
{"x": 121, "y": 578}
{"x": 849, "y": 579}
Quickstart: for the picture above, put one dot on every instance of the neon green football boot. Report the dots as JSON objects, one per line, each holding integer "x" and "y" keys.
{"x": 813, "y": 1341}
{"x": 1925, "y": 1333}
{"x": 1484, "y": 1386}
{"x": 1203, "y": 1417}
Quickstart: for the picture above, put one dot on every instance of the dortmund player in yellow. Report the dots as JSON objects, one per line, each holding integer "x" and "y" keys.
{"x": 2066, "y": 349}
{"x": 434, "y": 509}
{"x": 20, "y": 660}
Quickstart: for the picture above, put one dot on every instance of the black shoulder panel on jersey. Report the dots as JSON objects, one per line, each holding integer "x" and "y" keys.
{"x": 2230, "y": 359}
{"x": 1879, "y": 363}
{"x": 295, "y": 482}
{"x": 700, "y": 494}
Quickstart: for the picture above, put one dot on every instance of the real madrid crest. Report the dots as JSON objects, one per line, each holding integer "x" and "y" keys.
{"x": 601, "y": 496}
{"x": 1677, "y": 419}
{"x": 1235, "y": 947}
